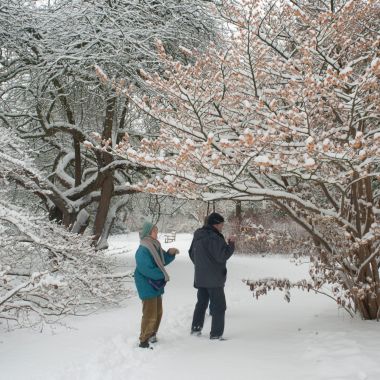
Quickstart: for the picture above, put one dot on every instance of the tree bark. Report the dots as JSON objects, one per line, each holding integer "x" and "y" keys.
{"x": 71, "y": 119}
{"x": 238, "y": 212}
{"x": 108, "y": 183}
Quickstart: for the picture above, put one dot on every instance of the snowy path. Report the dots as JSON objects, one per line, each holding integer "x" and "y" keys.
{"x": 267, "y": 339}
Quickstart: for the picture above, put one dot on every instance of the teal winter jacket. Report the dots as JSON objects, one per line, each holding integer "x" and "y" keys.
{"x": 146, "y": 269}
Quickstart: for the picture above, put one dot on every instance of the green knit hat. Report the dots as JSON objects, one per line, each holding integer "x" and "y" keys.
{"x": 146, "y": 229}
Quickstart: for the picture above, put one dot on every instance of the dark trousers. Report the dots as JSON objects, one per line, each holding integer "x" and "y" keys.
{"x": 217, "y": 308}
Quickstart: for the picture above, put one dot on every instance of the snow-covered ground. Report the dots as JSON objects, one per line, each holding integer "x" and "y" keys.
{"x": 268, "y": 339}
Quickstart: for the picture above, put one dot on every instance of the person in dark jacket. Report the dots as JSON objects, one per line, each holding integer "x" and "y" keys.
{"x": 151, "y": 278}
{"x": 209, "y": 252}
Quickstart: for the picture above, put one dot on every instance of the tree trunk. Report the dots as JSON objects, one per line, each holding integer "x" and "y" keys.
{"x": 103, "y": 239}
{"x": 104, "y": 204}
{"x": 369, "y": 303}
{"x": 108, "y": 183}
{"x": 238, "y": 212}
{"x": 78, "y": 167}
{"x": 71, "y": 119}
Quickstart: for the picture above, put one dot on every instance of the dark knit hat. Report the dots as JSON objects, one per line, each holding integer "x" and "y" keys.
{"x": 214, "y": 218}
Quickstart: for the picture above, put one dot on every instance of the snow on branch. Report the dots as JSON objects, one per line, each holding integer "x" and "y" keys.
{"x": 285, "y": 111}
{"x": 47, "y": 272}
{"x": 263, "y": 286}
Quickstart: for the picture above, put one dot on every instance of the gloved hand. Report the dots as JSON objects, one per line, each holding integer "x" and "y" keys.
{"x": 232, "y": 239}
{"x": 173, "y": 251}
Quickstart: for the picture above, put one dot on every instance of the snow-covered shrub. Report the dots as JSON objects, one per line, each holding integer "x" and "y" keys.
{"x": 288, "y": 113}
{"x": 47, "y": 272}
{"x": 268, "y": 231}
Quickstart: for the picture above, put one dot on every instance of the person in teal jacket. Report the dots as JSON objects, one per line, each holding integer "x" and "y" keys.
{"x": 150, "y": 279}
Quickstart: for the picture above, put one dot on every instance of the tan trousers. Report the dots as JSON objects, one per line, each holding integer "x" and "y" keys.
{"x": 152, "y": 314}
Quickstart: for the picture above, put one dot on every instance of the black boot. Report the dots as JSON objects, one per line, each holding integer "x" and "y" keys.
{"x": 220, "y": 337}
{"x": 197, "y": 331}
{"x": 144, "y": 344}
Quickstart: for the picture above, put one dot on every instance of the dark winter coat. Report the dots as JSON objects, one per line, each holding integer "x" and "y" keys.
{"x": 209, "y": 252}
